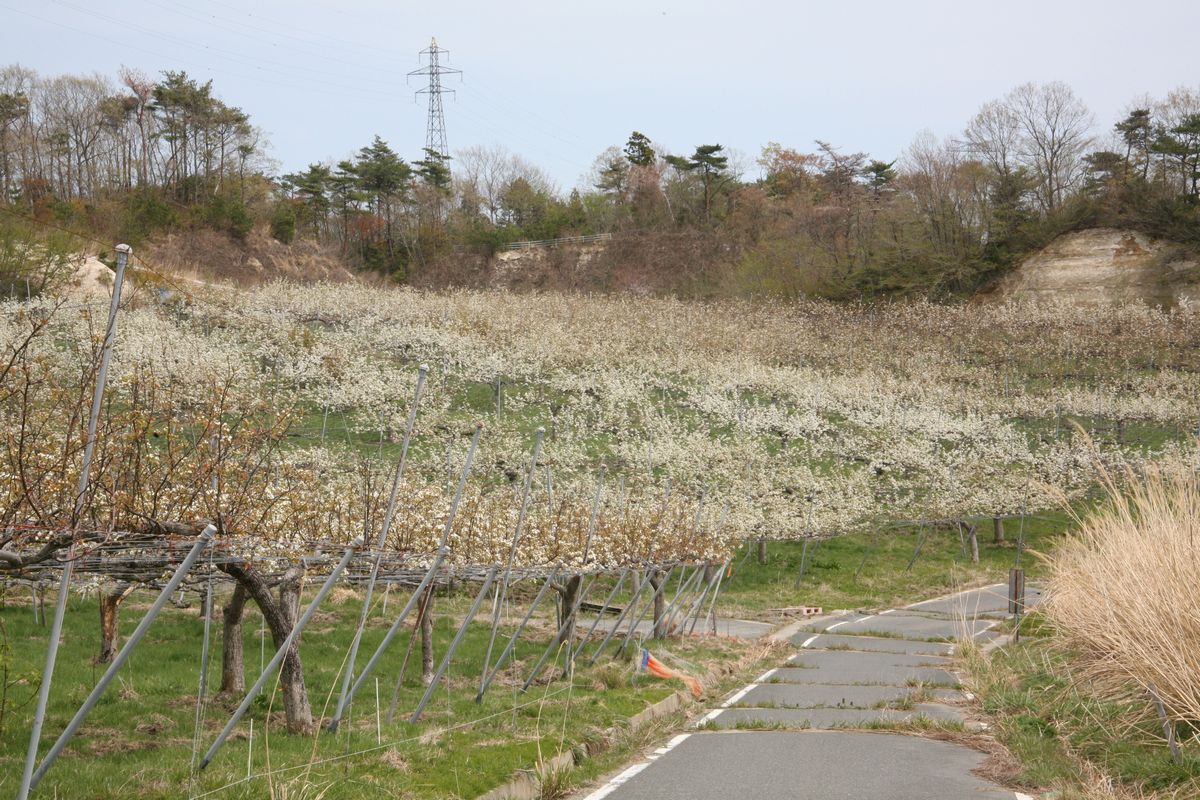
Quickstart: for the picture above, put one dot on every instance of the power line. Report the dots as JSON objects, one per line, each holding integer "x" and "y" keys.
{"x": 283, "y": 69}
{"x": 338, "y": 89}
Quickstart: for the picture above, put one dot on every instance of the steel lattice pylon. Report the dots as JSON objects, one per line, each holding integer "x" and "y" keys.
{"x": 435, "y": 135}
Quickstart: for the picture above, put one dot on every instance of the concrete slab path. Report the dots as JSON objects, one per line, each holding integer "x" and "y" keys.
{"x": 854, "y": 670}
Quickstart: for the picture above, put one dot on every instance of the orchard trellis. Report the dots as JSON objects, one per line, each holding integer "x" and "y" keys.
{"x": 559, "y": 442}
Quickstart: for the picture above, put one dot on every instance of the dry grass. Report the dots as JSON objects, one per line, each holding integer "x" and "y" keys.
{"x": 1122, "y": 591}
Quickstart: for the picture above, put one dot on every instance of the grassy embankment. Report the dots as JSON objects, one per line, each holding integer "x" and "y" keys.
{"x": 1066, "y": 737}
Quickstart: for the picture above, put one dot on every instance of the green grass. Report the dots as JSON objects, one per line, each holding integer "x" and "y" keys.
{"x": 138, "y": 741}
{"x": 884, "y": 582}
{"x": 1057, "y": 728}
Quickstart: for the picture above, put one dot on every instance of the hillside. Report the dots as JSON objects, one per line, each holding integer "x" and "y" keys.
{"x": 211, "y": 255}
{"x": 1105, "y": 265}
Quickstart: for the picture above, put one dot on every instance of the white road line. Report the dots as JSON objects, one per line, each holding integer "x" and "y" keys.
{"x": 709, "y": 717}
{"x": 847, "y": 622}
{"x": 1021, "y": 796}
{"x": 986, "y": 628}
{"x": 615, "y": 783}
{"x": 810, "y": 640}
{"x": 766, "y": 676}
{"x": 890, "y": 610}
{"x": 954, "y": 594}
{"x": 738, "y": 696}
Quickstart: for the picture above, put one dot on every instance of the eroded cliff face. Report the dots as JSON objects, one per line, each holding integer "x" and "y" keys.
{"x": 1105, "y": 265}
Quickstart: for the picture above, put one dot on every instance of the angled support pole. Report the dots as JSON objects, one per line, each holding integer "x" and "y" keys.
{"x": 64, "y": 582}
{"x": 583, "y": 593}
{"x": 634, "y": 602}
{"x": 458, "y": 637}
{"x": 388, "y": 516}
{"x": 671, "y": 610}
{"x": 693, "y": 611}
{"x": 512, "y": 555}
{"x": 607, "y": 602}
{"x": 333, "y": 723}
{"x": 711, "y": 617}
{"x": 641, "y": 616}
{"x": 294, "y": 634}
{"x": 163, "y": 597}
{"x": 512, "y": 643}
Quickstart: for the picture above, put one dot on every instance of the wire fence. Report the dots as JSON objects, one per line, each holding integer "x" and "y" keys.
{"x": 592, "y": 238}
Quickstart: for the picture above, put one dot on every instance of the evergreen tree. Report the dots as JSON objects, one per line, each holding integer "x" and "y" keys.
{"x": 638, "y": 150}
{"x": 708, "y": 162}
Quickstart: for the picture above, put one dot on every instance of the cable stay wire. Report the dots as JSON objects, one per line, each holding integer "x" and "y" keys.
{"x": 317, "y": 37}
{"x": 517, "y": 116}
{"x": 176, "y": 58}
{"x": 492, "y": 91}
{"x": 213, "y": 20}
{"x": 264, "y": 64}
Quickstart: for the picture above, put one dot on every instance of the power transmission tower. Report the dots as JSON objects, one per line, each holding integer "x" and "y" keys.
{"x": 435, "y": 135}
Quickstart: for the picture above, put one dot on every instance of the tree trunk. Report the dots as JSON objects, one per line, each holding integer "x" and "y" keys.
{"x": 658, "y": 583}
{"x": 762, "y": 550}
{"x": 280, "y": 621}
{"x": 974, "y": 543}
{"x": 567, "y": 612}
{"x": 110, "y": 608}
{"x": 427, "y": 638}
{"x": 295, "y": 694}
{"x": 233, "y": 665}
{"x": 997, "y": 530}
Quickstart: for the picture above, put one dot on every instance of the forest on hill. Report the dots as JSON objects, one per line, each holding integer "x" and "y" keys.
{"x": 134, "y": 158}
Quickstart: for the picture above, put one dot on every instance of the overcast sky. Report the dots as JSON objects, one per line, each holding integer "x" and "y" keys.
{"x": 559, "y": 80}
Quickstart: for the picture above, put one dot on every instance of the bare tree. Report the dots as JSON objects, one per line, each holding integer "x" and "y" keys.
{"x": 483, "y": 175}
{"x": 1056, "y": 131}
{"x": 993, "y": 136}
{"x": 1041, "y": 128}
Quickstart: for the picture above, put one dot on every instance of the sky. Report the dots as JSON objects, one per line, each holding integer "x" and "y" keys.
{"x": 558, "y": 81}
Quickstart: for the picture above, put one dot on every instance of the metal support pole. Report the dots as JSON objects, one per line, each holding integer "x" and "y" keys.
{"x": 388, "y": 516}
{"x": 697, "y": 603}
{"x": 279, "y": 654}
{"x": 1168, "y": 728}
{"x": 917, "y": 552}
{"x": 64, "y": 583}
{"x": 119, "y": 661}
{"x": 634, "y": 602}
{"x": 333, "y": 723}
{"x": 202, "y": 690}
{"x": 803, "y": 563}
{"x": 715, "y": 582}
{"x": 684, "y": 601}
{"x": 649, "y": 609}
{"x": 512, "y": 555}
{"x": 670, "y": 611}
{"x": 512, "y": 643}
{"x": 442, "y": 552}
{"x": 607, "y": 602}
{"x": 554, "y": 642}
{"x": 712, "y": 607}
{"x": 458, "y": 637}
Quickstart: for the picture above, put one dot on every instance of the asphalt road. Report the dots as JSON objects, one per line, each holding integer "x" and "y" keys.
{"x": 849, "y": 673}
